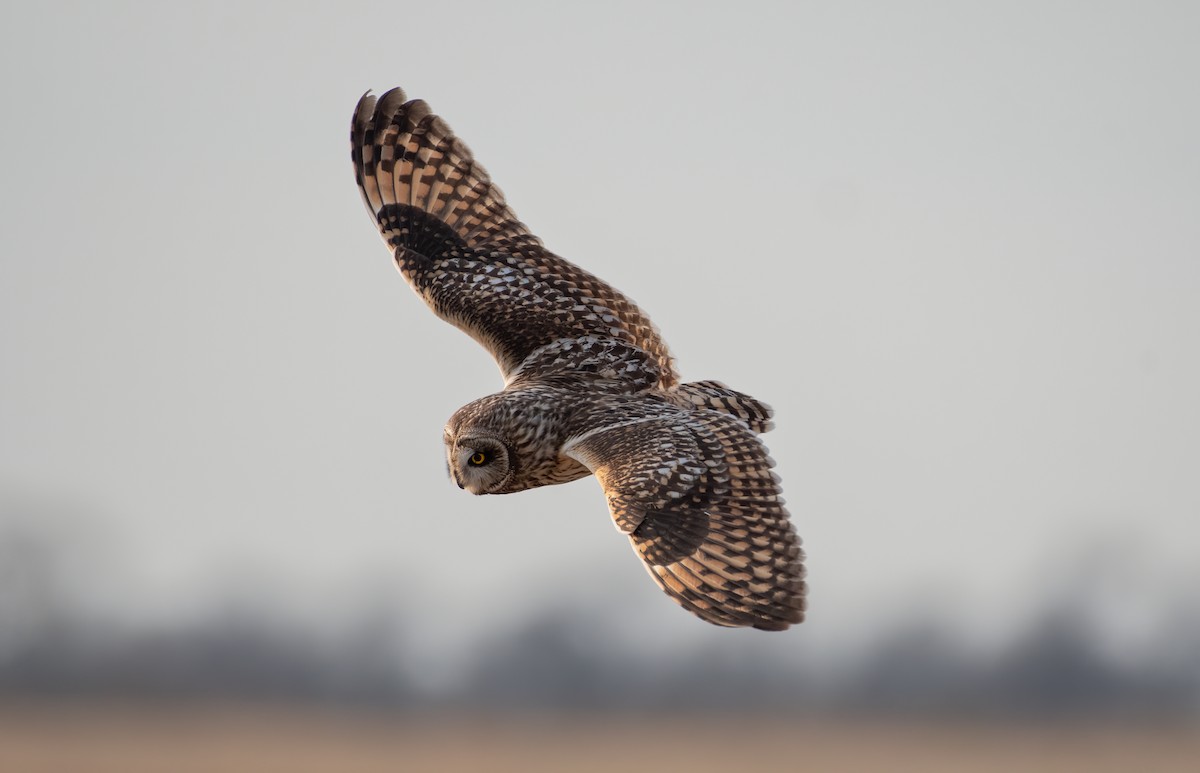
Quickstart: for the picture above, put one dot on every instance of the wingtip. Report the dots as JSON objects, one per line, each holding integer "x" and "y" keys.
{"x": 369, "y": 104}
{"x": 364, "y": 110}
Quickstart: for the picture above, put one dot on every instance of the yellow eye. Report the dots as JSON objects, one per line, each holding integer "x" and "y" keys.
{"x": 478, "y": 459}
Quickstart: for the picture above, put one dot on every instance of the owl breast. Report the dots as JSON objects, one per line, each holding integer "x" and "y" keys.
{"x": 562, "y": 470}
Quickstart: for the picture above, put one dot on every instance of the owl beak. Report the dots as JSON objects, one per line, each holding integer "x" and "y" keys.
{"x": 452, "y": 474}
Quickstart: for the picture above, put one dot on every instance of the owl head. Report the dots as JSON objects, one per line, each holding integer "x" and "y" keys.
{"x": 479, "y": 461}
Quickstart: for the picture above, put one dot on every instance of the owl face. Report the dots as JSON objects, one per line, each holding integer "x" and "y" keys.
{"x": 478, "y": 463}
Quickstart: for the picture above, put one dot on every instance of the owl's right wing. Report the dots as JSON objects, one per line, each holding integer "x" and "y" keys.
{"x": 462, "y": 249}
{"x": 695, "y": 493}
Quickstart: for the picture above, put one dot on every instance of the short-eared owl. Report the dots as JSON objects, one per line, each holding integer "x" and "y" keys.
{"x": 589, "y": 385}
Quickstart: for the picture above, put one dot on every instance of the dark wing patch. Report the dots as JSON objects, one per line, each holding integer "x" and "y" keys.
{"x": 696, "y": 495}
{"x": 462, "y": 249}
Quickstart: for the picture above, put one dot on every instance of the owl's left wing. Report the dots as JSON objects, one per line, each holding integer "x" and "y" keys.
{"x": 463, "y": 250}
{"x": 695, "y": 493}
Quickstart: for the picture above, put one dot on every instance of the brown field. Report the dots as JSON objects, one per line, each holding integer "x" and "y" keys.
{"x": 100, "y": 739}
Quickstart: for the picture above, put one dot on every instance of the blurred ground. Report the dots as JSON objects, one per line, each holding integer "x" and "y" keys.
{"x": 132, "y": 738}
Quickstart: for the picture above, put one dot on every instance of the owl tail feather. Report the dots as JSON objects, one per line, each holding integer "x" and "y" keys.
{"x": 421, "y": 182}
{"x": 715, "y": 396}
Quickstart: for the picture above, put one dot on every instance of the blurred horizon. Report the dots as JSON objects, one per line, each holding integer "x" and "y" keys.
{"x": 1070, "y": 660}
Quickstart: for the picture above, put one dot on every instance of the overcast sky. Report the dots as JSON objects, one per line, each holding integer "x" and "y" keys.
{"x": 957, "y": 248}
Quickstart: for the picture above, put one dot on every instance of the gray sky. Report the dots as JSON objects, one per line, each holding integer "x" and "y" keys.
{"x": 957, "y": 249}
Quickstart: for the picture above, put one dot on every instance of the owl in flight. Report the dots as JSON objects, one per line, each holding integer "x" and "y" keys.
{"x": 589, "y": 385}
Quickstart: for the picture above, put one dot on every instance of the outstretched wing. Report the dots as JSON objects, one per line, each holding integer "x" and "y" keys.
{"x": 695, "y": 493}
{"x": 463, "y": 250}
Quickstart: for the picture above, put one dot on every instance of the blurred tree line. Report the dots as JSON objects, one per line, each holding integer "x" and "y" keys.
{"x": 51, "y": 645}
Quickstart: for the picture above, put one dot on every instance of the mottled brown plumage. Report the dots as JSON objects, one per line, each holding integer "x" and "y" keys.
{"x": 590, "y": 386}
